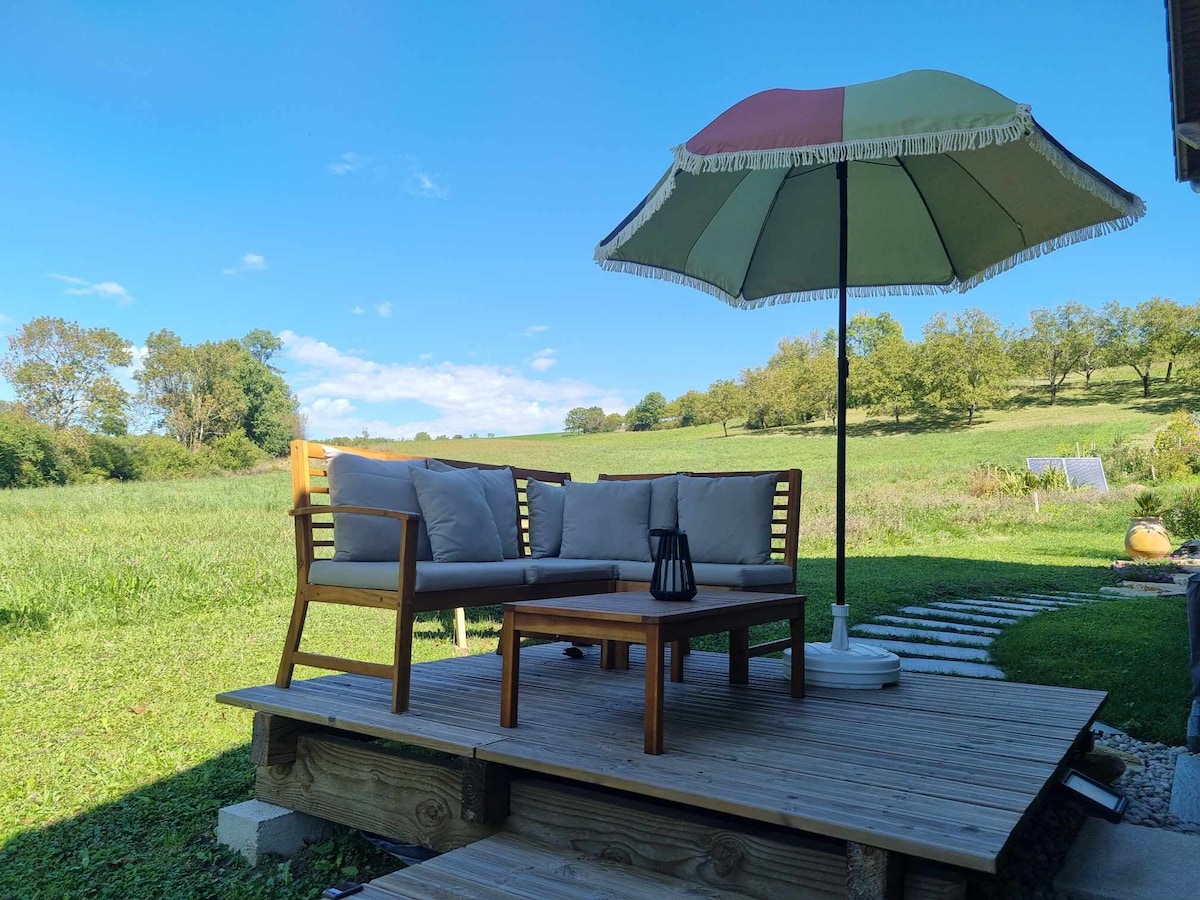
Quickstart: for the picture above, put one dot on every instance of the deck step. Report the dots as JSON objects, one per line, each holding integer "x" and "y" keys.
{"x": 938, "y": 624}
{"x": 924, "y": 634}
{"x": 986, "y": 609}
{"x": 505, "y": 866}
{"x": 931, "y": 651}
{"x": 949, "y": 667}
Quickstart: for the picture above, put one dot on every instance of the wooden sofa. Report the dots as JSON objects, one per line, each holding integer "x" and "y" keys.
{"x": 404, "y": 594}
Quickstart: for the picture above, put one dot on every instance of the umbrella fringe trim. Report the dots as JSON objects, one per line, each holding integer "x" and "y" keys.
{"x": 925, "y": 144}
{"x": 883, "y": 290}
{"x": 652, "y": 205}
{"x": 1128, "y": 205}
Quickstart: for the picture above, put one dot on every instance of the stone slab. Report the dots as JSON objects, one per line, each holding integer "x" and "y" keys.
{"x": 961, "y": 616}
{"x": 1193, "y": 728}
{"x": 988, "y": 608}
{"x": 949, "y": 667}
{"x": 1066, "y": 596}
{"x": 930, "y": 651}
{"x": 1130, "y": 862}
{"x": 253, "y": 828}
{"x": 1185, "y": 790}
{"x": 938, "y": 624}
{"x": 1033, "y": 601}
{"x": 923, "y": 634}
{"x": 1001, "y": 603}
{"x": 1099, "y": 727}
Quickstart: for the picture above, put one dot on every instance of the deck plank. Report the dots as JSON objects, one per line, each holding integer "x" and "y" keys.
{"x": 940, "y": 768}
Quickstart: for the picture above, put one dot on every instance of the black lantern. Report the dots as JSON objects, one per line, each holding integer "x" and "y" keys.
{"x": 673, "y": 578}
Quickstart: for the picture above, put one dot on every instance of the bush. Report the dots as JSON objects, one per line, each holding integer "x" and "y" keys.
{"x": 29, "y": 454}
{"x": 235, "y": 451}
{"x": 996, "y": 481}
{"x": 159, "y": 456}
{"x": 1183, "y": 518}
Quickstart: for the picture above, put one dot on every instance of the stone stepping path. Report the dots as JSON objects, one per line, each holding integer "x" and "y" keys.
{"x": 952, "y": 637}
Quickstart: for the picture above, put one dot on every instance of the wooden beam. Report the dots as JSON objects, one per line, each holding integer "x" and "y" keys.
{"x": 273, "y": 739}
{"x": 872, "y": 873}
{"x": 375, "y": 789}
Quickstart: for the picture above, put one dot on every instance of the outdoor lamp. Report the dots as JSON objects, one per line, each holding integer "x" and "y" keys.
{"x": 1096, "y": 796}
{"x": 673, "y": 578}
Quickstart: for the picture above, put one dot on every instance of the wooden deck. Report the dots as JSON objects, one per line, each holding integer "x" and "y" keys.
{"x": 937, "y": 768}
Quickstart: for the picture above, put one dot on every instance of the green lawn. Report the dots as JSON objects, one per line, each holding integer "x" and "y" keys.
{"x": 125, "y": 608}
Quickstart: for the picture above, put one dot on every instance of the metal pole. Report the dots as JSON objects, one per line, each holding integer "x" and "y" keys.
{"x": 843, "y": 377}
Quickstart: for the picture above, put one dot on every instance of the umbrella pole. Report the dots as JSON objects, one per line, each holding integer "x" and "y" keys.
{"x": 841, "y": 636}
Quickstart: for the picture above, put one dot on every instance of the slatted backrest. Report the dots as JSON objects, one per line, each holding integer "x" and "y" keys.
{"x": 785, "y": 515}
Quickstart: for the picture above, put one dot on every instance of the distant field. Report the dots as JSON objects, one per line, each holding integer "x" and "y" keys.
{"x": 124, "y": 608}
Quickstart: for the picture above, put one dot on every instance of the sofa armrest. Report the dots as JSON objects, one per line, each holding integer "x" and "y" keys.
{"x": 408, "y": 539}
{"x": 358, "y": 511}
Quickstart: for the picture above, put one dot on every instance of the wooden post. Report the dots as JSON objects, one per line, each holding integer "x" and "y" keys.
{"x": 273, "y": 739}
{"x": 872, "y": 873}
{"x": 1037, "y": 507}
{"x": 484, "y": 792}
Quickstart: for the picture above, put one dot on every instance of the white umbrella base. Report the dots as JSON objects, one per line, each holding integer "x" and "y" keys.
{"x": 859, "y": 667}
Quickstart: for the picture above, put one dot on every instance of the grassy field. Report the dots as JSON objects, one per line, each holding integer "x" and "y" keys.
{"x": 124, "y": 608}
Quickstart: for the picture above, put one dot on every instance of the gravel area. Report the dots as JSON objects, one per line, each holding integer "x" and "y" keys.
{"x": 1042, "y": 844}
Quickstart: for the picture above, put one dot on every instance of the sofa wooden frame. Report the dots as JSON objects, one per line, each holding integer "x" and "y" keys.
{"x": 313, "y": 522}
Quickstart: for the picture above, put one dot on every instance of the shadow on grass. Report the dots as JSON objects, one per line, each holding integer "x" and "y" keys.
{"x": 160, "y": 841}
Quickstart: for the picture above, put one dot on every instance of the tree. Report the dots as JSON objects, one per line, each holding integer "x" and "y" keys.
{"x": 422, "y": 436}
{"x": 613, "y": 422}
{"x": 724, "y": 401}
{"x": 262, "y": 345}
{"x": 193, "y": 390}
{"x": 886, "y": 381}
{"x": 1053, "y": 344}
{"x": 62, "y": 373}
{"x": 689, "y": 409}
{"x": 964, "y": 367}
{"x": 1139, "y": 337}
{"x": 865, "y": 332}
{"x": 271, "y": 417}
{"x": 648, "y": 412}
{"x": 1177, "y": 327}
{"x": 584, "y": 420}
{"x": 1095, "y": 336}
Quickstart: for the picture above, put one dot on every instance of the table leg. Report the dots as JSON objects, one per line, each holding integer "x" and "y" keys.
{"x": 739, "y": 656}
{"x": 606, "y": 655}
{"x": 620, "y": 654}
{"x": 677, "y": 660}
{"x": 653, "y": 743}
{"x": 510, "y": 670}
{"x": 796, "y": 627}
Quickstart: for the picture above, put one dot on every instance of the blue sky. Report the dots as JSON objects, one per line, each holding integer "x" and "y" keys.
{"x": 411, "y": 193}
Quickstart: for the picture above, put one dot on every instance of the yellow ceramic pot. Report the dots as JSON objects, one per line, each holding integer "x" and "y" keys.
{"x": 1147, "y": 539}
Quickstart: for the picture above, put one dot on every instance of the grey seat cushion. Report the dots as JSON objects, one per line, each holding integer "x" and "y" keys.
{"x": 501, "y": 492}
{"x": 556, "y": 570}
{"x": 545, "y": 517}
{"x": 431, "y": 576}
{"x": 606, "y": 520}
{"x": 379, "y": 483}
{"x": 717, "y": 574}
{"x": 728, "y": 519}
{"x": 455, "y": 509}
{"x": 664, "y": 506}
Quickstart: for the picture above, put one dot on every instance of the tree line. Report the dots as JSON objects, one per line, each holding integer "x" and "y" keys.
{"x": 201, "y": 407}
{"x": 964, "y": 364}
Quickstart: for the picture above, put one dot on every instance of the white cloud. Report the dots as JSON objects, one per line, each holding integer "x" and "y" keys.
{"x": 425, "y": 356}
{"x": 347, "y": 164}
{"x": 334, "y": 387}
{"x": 83, "y": 287}
{"x": 384, "y": 309}
{"x": 357, "y": 311}
{"x": 251, "y": 262}
{"x": 543, "y": 359}
{"x": 531, "y": 330}
{"x": 420, "y": 182}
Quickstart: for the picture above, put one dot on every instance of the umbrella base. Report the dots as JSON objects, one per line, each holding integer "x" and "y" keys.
{"x": 859, "y": 667}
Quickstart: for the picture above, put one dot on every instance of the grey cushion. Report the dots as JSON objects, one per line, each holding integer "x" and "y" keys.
{"x": 380, "y": 483}
{"x": 664, "y": 506}
{"x": 545, "y": 517}
{"x": 501, "y": 492}
{"x": 431, "y": 576}
{"x": 456, "y": 511}
{"x": 717, "y": 574}
{"x": 606, "y": 520}
{"x": 728, "y": 520}
{"x": 553, "y": 571}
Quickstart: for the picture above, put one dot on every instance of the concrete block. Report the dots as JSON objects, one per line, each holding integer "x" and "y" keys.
{"x": 255, "y": 827}
{"x": 1185, "y": 790}
{"x": 1193, "y": 728}
{"x": 940, "y": 635}
{"x": 949, "y": 667}
{"x": 1129, "y": 862}
{"x": 929, "y": 651}
{"x": 960, "y": 616}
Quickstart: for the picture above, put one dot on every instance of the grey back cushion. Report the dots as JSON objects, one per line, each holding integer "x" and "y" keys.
{"x": 545, "y": 517}
{"x": 728, "y": 520}
{"x": 501, "y": 492}
{"x": 606, "y": 520}
{"x": 380, "y": 483}
{"x": 664, "y": 506}
{"x": 455, "y": 509}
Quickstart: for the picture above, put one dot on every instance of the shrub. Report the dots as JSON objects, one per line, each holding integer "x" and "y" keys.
{"x": 1183, "y": 518}
{"x": 995, "y": 481}
{"x": 159, "y": 456}
{"x": 1177, "y": 448}
{"x": 29, "y": 455}
{"x": 235, "y": 451}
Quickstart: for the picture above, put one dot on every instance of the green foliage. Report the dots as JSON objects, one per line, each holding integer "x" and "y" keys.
{"x": 1183, "y": 517}
{"x": 422, "y": 436}
{"x": 29, "y": 456}
{"x": 1054, "y": 343}
{"x": 997, "y": 481}
{"x": 157, "y": 456}
{"x": 235, "y": 451}
{"x": 270, "y": 420}
{"x": 591, "y": 420}
{"x": 648, "y": 413}
{"x": 1147, "y": 504}
{"x": 964, "y": 365}
{"x": 725, "y": 400}
{"x": 62, "y": 373}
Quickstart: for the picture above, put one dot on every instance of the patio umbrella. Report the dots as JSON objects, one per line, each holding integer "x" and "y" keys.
{"x": 921, "y": 183}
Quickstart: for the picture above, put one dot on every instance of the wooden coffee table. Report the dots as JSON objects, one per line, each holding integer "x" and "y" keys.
{"x": 634, "y": 617}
